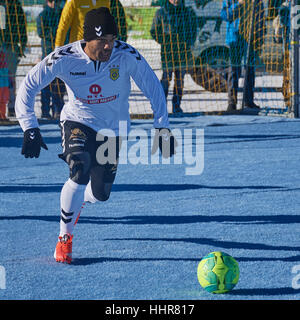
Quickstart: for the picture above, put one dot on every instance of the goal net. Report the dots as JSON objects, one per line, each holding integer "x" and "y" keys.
{"x": 207, "y": 53}
{"x": 229, "y": 39}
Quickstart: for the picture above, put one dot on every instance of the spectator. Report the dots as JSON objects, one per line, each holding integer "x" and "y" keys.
{"x": 237, "y": 14}
{"x": 4, "y": 86}
{"x": 174, "y": 27}
{"x": 47, "y": 23}
{"x": 73, "y": 15}
{"x": 13, "y": 40}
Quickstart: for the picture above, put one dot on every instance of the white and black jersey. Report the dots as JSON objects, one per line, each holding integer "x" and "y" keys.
{"x": 98, "y": 92}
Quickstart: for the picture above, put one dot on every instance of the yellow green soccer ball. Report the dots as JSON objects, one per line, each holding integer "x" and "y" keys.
{"x": 218, "y": 272}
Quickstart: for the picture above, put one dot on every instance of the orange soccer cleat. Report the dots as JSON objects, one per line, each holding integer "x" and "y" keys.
{"x": 63, "y": 250}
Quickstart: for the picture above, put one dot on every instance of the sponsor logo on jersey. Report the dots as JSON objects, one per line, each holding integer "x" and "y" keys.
{"x": 95, "y": 89}
{"x": 98, "y": 101}
{"x": 78, "y": 73}
{"x": 114, "y": 73}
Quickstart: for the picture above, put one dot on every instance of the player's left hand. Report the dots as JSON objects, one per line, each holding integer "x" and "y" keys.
{"x": 32, "y": 143}
{"x": 166, "y": 142}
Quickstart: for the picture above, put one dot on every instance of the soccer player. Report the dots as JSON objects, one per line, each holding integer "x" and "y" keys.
{"x": 97, "y": 73}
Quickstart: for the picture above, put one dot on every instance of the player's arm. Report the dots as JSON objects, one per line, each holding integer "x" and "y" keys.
{"x": 37, "y": 78}
{"x": 65, "y": 23}
{"x": 147, "y": 81}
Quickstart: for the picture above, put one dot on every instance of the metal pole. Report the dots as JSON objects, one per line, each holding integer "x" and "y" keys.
{"x": 294, "y": 56}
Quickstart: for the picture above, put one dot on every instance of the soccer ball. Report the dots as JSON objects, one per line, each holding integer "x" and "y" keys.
{"x": 218, "y": 272}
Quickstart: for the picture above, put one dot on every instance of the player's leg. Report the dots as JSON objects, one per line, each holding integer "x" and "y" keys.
{"x": 100, "y": 185}
{"x": 235, "y": 53}
{"x": 178, "y": 90}
{"x": 71, "y": 201}
{"x": 12, "y": 64}
{"x": 102, "y": 176}
{"x": 45, "y": 100}
{"x": 76, "y": 141}
{"x": 250, "y": 80}
{"x": 165, "y": 81}
{"x": 4, "y": 96}
{"x": 57, "y": 93}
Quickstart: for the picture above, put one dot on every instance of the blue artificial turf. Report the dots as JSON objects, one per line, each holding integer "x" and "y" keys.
{"x": 146, "y": 241}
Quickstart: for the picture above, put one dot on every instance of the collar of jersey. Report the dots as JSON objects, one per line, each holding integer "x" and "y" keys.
{"x": 86, "y": 57}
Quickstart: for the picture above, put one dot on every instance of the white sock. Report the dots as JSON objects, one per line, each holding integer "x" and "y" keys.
{"x": 71, "y": 200}
{"x": 88, "y": 194}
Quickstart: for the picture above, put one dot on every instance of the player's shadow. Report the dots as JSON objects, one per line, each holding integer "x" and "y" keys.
{"x": 16, "y": 142}
{"x": 190, "y": 219}
{"x": 263, "y": 292}
{"x": 168, "y": 220}
{"x": 213, "y": 243}
{"x": 221, "y": 244}
{"x": 95, "y": 260}
{"x": 182, "y": 187}
{"x": 40, "y": 187}
{"x": 30, "y": 188}
{"x": 248, "y": 138}
{"x": 235, "y": 292}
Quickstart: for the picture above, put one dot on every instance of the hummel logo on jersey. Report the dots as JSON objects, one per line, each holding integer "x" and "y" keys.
{"x": 56, "y": 55}
{"x": 126, "y": 46}
{"x": 77, "y": 73}
{"x": 98, "y": 31}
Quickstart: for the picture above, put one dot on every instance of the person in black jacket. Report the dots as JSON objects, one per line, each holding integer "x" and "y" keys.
{"x": 13, "y": 40}
{"x": 174, "y": 27}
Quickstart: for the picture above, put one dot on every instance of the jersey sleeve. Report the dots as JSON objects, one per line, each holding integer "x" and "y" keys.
{"x": 147, "y": 81}
{"x": 38, "y": 77}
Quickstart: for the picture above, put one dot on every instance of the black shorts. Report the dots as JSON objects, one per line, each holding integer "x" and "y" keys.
{"x": 79, "y": 140}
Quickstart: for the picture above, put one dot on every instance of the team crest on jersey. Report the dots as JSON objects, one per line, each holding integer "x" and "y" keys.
{"x": 114, "y": 73}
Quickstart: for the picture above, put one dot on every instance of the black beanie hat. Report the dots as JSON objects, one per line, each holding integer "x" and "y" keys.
{"x": 99, "y": 22}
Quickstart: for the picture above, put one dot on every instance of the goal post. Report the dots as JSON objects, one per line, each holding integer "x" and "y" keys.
{"x": 295, "y": 55}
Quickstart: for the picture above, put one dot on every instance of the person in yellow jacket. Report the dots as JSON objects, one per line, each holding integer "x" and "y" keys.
{"x": 73, "y": 15}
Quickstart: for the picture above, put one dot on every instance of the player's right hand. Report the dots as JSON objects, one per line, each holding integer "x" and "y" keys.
{"x": 165, "y": 141}
{"x": 32, "y": 143}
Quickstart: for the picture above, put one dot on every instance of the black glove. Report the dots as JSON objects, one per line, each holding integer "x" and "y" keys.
{"x": 32, "y": 143}
{"x": 166, "y": 142}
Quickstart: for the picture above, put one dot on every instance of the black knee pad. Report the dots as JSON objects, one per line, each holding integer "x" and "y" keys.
{"x": 102, "y": 179}
{"x": 101, "y": 195}
{"x": 101, "y": 192}
{"x": 79, "y": 164}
